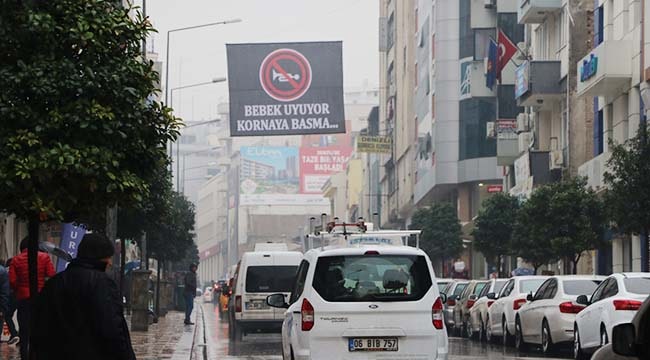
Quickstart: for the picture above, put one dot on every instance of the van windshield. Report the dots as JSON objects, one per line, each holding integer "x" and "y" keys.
{"x": 372, "y": 278}
{"x": 270, "y": 279}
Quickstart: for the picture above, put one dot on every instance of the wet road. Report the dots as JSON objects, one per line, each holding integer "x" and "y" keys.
{"x": 269, "y": 347}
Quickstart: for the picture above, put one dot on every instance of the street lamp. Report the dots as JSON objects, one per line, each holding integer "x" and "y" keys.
{"x": 167, "y": 91}
{"x": 213, "y": 81}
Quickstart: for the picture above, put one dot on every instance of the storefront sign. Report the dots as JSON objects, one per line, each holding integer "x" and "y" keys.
{"x": 507, "y": 129}
{"x": 589, "y": 67}
{"x": 494, "y": 188}
{"x": 375, "y": 144}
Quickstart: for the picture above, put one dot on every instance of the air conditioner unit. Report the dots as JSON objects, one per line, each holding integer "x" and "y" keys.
{"x": 523, "y": 123}
{"x": 556, "y": 159}
{"x": 490, "y": 4}
{"x": 524, "y": 140}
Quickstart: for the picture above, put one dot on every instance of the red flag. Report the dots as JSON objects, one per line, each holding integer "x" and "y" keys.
{"x": 507, "y": 50}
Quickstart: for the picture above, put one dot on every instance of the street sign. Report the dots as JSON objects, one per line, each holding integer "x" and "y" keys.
{"x": 374, "y": 144}
{"x": 286, "y": 88}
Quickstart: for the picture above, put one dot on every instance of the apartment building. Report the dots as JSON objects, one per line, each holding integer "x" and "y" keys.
{"x": 613, "y": 77}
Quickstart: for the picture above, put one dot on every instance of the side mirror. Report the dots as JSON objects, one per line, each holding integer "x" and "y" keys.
{"x": 277, "y": 301}
{"x": 443, "y": 297}
{"x": 473, "y": 297}
{"x": 623, "y": 338}
{"x": 582, "y": 300}
{"x": 530, "y": 297}
{"x": 491, "y": 296}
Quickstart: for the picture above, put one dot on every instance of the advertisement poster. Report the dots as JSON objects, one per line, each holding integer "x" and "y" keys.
{"x": 268, "y": 170}
{"x": 285, "y": 88}
{"x": 317, "y": 164}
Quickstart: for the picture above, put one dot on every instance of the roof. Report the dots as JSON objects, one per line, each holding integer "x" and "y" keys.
{"x": 362, "y": 249}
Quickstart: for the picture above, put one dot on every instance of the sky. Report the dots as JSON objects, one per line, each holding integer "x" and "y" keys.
{"x": 199, "y": 55}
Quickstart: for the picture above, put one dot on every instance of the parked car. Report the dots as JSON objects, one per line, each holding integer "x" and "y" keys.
{"x": 464, "y": 303}
{"x": 258, "y": 275}
{"x": 478, "y": 312}
{"x": 453, "y": 290}
{"x": 614, "y": 302}
{"x": 547, "y": 318}
{"x": 630, "y": 341}
{"x": 365, "y": 301}
{"x": 443, "y": 283}
{"x": 207, "y": 294}
{"x": 501, "y": 315}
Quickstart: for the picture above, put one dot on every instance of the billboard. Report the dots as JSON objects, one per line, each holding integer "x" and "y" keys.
{"x": 268, "y": 170}
{"x": 317, "y": 164}
{"x": 285, "y": 88}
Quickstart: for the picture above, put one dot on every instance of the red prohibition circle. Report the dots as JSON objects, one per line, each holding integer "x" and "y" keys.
{"x": 271, "y": 68}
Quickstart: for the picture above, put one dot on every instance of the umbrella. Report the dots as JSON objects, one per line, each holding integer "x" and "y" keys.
{"x": 50, "y": 248}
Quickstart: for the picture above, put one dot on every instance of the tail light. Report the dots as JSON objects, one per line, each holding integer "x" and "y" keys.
{"x": 490, "y": 302}
{"x": 451, "y": 302}
{"x": 470, "y": 303}
{"x": 518, "y": 303}
{"x": 436, "y": 314}
{"x": 570, "y": 308}
{"x": 307, "y": 315}
{"x": 627, "y": 305}
{"x": 238, "y": 303}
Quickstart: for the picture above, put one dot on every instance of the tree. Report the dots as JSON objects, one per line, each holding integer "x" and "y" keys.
{"x": 171, "y": 236}
{"x": 629, "y": 184}
{"x": 441, "y": 231}
{"x": 561, "y": 220}
{"x": 494, "y": 226}
{"x": 77, "y": 132}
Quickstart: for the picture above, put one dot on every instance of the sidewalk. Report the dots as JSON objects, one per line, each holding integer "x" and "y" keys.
{"x": 169, "y": 339}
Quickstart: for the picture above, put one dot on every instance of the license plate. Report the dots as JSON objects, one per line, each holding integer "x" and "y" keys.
{"x": 372, "y": 344}
{"x": 256, "y": 305}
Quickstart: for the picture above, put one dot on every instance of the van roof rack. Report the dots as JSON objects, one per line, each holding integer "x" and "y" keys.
{"x": 342, "y": 234}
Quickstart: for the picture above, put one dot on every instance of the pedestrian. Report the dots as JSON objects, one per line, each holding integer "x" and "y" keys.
{"x": 9, "y": 315}
{"x": 79, "y": 314}
{"x": 19, "y": 281}
{"x": 190, "y": 293}
{"x": 4, "y": 293}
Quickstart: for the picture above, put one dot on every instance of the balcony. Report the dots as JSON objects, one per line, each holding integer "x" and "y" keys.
{"x": 537, "y": 83}
{"x": 535, "y": 11}
{"x": 607, "y": 70}
{"x": 594, "y": 171}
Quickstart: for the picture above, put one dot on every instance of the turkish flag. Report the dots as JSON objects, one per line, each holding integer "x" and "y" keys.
{"x": 507, "y": 50}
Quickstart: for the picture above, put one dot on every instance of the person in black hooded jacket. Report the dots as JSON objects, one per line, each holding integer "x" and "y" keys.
{"x": 79, "y": 314}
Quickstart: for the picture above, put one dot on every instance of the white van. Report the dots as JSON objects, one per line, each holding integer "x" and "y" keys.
{"x": 369, "y": 299}
{"x": 258, "y": 275}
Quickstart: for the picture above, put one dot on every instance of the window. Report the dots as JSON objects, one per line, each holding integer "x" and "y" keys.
{"x": 482, "y": 42}
{"x": 358, "y": 278}
{"x": 598, "y": 293}
{"x": 541, "y": 41}
{"x": 580, "y": 287}
{"x": 599, "y": 25}
{"x": 541, "y": 292}
{"x": 637, "y": 285}
{"x": 270, "y": 279}
{"x": 563, "y": 28}
{"x": 611, "y": 289}
{"x": 528, "y": 286}
{"x": 598, "y": 129}
{"x": 507, "y": 288}
{"x": 459, "y": 288}
{"x": 479, "y": 288}
{"x": 299, "y": 286}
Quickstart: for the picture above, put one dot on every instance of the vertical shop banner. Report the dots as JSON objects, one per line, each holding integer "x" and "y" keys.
{"x": 317, "y": 164}
{"x": 285, "y": 88}
{"x": 71, "y": 236}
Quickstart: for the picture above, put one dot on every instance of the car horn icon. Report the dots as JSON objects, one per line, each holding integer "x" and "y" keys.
{"x": 281, "y": 78}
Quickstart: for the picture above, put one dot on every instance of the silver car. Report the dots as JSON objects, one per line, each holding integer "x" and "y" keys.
{"x": 453, "y": 290}
{"x": 547, "y": 318}
{"x": 478, "y": 312}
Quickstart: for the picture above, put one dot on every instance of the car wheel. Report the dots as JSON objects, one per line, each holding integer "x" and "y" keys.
{"x": 604, "y": 340}
{"x": 578, "y": 354}
{"x": 547, "y": 342}
{"x": 506, "y": 339}
{"x": 520, "y": 344}
{"x": 488, "y": 331}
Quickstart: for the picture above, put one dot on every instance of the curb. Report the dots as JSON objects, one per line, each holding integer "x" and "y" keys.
{"x": 186, "y": 344}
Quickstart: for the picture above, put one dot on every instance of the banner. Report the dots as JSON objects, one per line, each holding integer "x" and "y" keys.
{"x": 317, "y": 164}
{"x": 71, "y": 236}
{"x": 285, "y": 88}
{"x": 374, "y": 144}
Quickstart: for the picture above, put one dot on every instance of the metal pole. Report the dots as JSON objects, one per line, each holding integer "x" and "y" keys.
{"x": 178, "y": 164}
{"x": 158, "y": 288}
